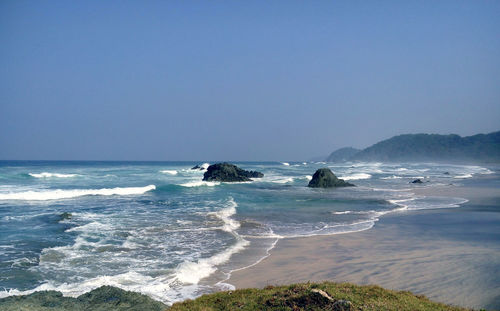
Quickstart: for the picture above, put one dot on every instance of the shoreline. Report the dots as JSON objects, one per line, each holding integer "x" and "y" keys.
{"x": 421, "y": 251}
{"x": 416, "y": 250}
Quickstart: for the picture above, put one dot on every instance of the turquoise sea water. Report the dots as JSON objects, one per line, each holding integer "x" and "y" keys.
{"x": 156, "y": 228}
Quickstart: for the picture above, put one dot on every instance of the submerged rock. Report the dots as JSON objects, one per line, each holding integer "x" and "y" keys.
{"x": 324, "y": 178}
{"x": 102, "y": 298}
{"x": 229, "y": 173}
{"x": 416, "y": 181}
{"x": 65, "y": 216}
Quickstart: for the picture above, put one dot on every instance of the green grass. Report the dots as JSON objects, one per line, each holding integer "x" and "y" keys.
{"x": 298, "y": 297}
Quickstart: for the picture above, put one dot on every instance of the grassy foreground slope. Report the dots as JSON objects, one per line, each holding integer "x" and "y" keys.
{"x": 296, "y": 297}
{"x": 311, "y": 296}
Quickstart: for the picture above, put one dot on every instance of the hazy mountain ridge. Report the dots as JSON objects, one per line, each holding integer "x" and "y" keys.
{"x": 342, "y": 154}
{"x": 428, "y": 147}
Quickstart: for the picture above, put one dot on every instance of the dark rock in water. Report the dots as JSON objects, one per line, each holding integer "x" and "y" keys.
{"x": 324, "y": 178}
{"x": 102, "y": 298}
{"x": 65, "y": 216}
{"x": 416, "y": 181}
{"x": 200, "y": 167}
{"x": 446, "y": 173}
{"x": 229, "y": 173}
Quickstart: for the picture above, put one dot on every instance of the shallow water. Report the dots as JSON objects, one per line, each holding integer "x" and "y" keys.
{"x": 156, "y": 228}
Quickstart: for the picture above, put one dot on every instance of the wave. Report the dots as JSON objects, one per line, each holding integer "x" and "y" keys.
{"x": 200, "y": 183}
{"x": 336, "y": 229}
{"x": 392, "y": 177}
{"x": 342, "y": 213}
{"x": 204, "y": 166}
{"x": 282, "y": 180}
{"x": 73, "y": 193}
{"x": 171, "y": 172}
{"x": 463, "y": 176}
{"x": 91, "y": 226}
{"x": 422, "y": 203}
{"x": 230, "y": 225}
{"x": 192, "y": 272}
{"x": 356, "y": 176}
{"x": 50, "y": 175}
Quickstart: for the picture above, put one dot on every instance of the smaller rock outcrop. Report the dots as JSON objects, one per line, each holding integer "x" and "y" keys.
{"x": 324, "y": 178}
{"x": 201, "y": 167}
{"x": 416, "y": 181}
{"x": 228, "y": 172}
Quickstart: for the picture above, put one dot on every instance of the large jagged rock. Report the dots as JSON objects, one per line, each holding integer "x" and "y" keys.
{"x": 227, "y": 172}
{"x": 103, "y": 298}
{"x": 324, "y": 178}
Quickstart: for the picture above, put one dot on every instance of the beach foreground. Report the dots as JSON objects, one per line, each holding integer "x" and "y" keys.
{"x": 449, "y": 255}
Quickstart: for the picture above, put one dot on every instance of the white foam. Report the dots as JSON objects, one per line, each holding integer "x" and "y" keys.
{"x": 72, "y": 193}
{"x": 356, "y": 176}
{"x": 342, "y": 213}
{"x": 422, "y": 203}
{"x": 50, "y": 175}
{"x": 230, "y": 225}
{"x": 463, "y": 176}
{"x": 91, "y": 226}
{"x": 285, "y": 163}
{"x": 282, "y": 180}
{"x": 192, "y": 272}
{"x": 204, "y": 166}
{"x": 392, "y": 177}
{"x": 200, "y": 183}
{"x": 338, "y": 229}
{"x": 171, "y": 172}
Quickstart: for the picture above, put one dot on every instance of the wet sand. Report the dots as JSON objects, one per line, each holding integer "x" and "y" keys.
{"x": 449, "y": 255}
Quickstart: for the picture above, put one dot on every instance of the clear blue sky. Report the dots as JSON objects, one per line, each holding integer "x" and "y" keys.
{"x": 241, "y": 80}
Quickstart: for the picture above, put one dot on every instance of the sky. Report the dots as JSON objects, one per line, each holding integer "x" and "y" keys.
{"x": 241, "y": 80}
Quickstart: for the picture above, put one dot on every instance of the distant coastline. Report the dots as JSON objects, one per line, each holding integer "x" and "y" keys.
{"x": 480, "y": 148}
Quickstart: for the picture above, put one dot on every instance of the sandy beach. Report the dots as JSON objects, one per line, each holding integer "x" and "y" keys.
{"x": 449, "y": 255}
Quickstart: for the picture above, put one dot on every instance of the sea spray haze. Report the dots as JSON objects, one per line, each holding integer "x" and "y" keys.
{"x": 157, "y": 228}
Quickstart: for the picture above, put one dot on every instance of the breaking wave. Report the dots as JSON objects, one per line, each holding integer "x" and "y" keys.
{"x": 73, "y": 193}
{"x": 51, "y": 175}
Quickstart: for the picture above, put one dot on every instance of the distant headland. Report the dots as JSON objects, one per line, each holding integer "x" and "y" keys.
{"x": 483, "y": 148}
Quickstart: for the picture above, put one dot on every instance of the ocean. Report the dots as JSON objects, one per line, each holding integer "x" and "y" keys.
{"x": 158, "y": 229}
